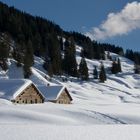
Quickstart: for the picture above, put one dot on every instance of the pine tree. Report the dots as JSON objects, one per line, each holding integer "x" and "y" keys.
{"x": 83, "y": 70}
{"x": 4, "y": 51}
{"x": 46, "y": 63}
{"x": 136, "y": 68}
{"x": 119, "y": 66}
{"x": 102, "y": 55}
{"x": 114, "y": 68}
{"x": 28, "y": 60}
{"x": 61, "y": 44}
{"x": 50, "y": 70}
{"x": 27, "y": 68}
{"x": 55, "y": 55}
{"x": 19, "y": 59}
{"x": 82, "y": 52}
{"x": 66, "y": 65}
{"x": 48, "y": 66}
{"x": 102, "y": 74}
{"x": 69, "y": 61}
{"x": 4, "y": 65}
{"x": 95, "y": 73}
{"x": 18, "y": 56}
{"x": 18, "y": 53}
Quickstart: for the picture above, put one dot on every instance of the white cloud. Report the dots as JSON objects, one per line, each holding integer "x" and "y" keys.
{"x": 121, "y": 23}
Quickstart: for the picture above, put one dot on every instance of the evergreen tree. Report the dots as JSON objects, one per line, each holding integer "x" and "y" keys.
{"x": 102, "y": 53}
{"x": 136, "y": 68}
{"x": 48, "y": 66}
{"x": 119, "y": 66}
{"x": 18, "y": 56}
{"x": 82, "y": 53}
{"x": 50, "y": 70}
{"x": 66, "y": 43}
{"x": 95, "y": 73}
{"x": 46, "y": 63}
{"x": 37, "y": 45}
{"x": 102, "y": 74}
{"x": 69, "y": 61}
{"x": 66, "y": 65}
{"x": 27, "y": 67}
{"x": 114, "y": 68}
{"x": 55, "y": 55}
{"x": 61, "y": 44}
{"x": 19, "y": 59}
{"x": 129, "y": 54}
{"x": 83, "y": 70}
{"x": 19, "y": 52}
{"x": 4, "y": 51}
{"x": 4, "y": 65}
{"x": 28, "y": 60}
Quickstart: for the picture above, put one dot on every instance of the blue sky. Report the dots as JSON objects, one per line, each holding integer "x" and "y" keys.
{"x": 92, "y": 17}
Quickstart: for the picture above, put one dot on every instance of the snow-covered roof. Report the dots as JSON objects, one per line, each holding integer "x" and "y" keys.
{"x": 10, "y": 89}
{"x": 51, "y": 92}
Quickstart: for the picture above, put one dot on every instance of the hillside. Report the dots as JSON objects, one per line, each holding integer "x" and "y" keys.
{"x": 114, "y": 102}
{"x": 42, "y": 35}
{"x": 117, "y": 101}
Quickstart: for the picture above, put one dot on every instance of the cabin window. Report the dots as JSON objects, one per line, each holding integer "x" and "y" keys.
{"x": 23, "y": 101}
{"x": 26, "y": 101}
{"x": 17, "y": 101}
{"x": 35, "y": 100}
{"x": 31, "y": 102}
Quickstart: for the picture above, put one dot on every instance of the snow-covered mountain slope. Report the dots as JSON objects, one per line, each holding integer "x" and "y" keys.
{"x": 117, "y": 101}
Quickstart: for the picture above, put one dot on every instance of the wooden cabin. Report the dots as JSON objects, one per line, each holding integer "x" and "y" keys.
{"x": 56, "y": 94}
{"x": 20, "y": 91}
{"x": 30, "y": 95}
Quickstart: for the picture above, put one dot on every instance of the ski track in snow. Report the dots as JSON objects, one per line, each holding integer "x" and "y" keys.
{"x": 105, "y": 118}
